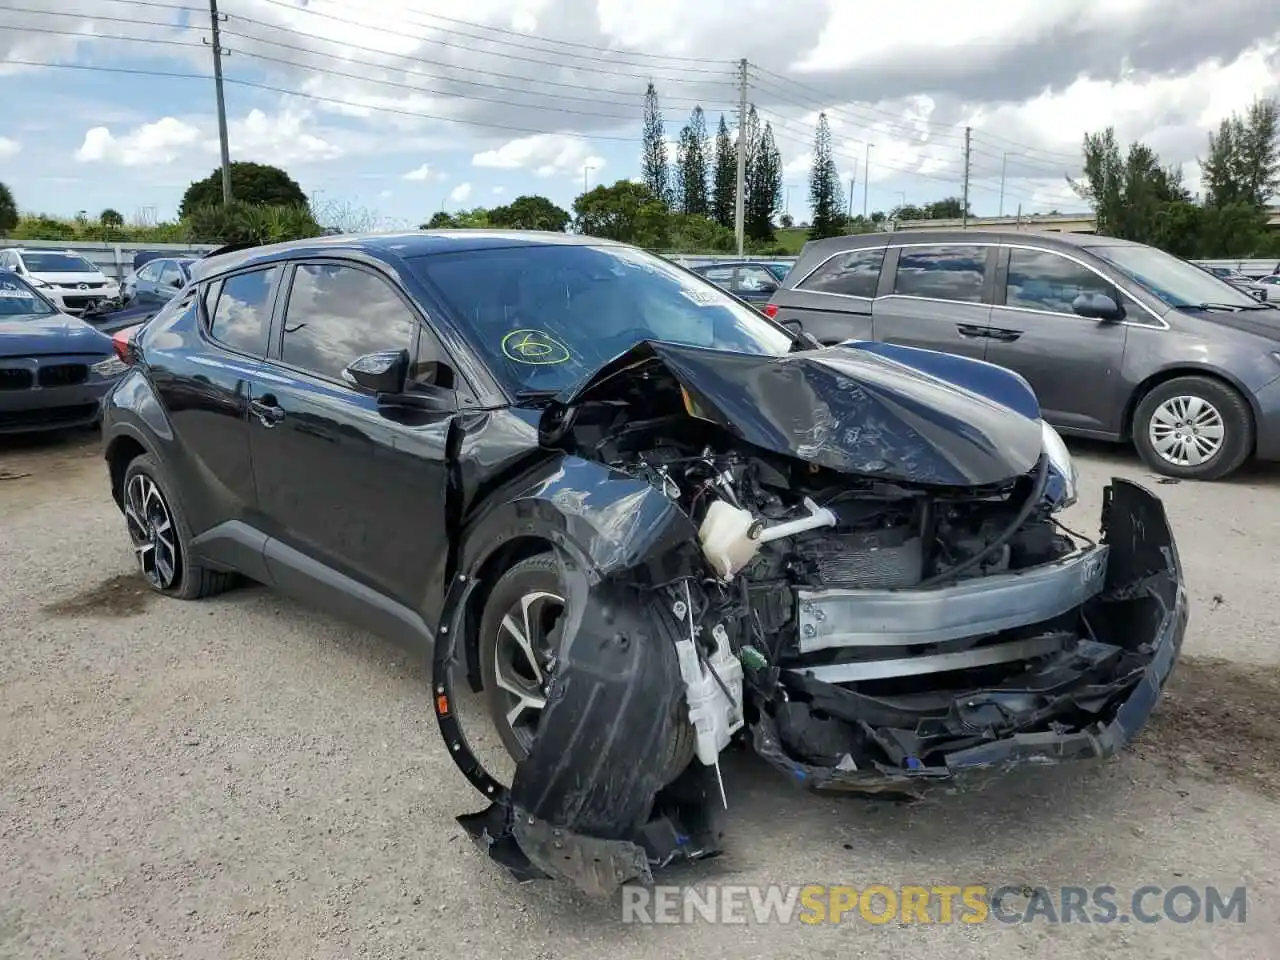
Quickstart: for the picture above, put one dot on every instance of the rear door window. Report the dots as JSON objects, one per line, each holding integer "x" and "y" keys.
{"x": 241, "y": 318}
{"x": 943, "y": 272}
{"x": 1044, "y": 280}
{"x": 853, "y": 274}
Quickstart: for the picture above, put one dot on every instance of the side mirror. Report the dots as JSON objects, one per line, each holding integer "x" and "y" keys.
{"x": 1097, "y": 306}
{"x": 381, "y": 372}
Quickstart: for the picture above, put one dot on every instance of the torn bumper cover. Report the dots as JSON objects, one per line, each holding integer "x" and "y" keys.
{"x": 598, "y": 804}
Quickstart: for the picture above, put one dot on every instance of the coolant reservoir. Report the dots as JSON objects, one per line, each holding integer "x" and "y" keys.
{"x": 726, "y": 540}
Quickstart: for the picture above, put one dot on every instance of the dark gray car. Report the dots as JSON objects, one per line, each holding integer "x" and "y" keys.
{"x": 1120, "y": 341}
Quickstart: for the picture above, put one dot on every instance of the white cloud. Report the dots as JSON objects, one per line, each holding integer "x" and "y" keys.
{"x": 384, "y": 195}
{"x": 546, "y": 154}
{"x": 280, "y": 139}
{"x": 152, "y": 144}
{"x": 498, "y": 191}
{"x": 8, "y": 147}
{"x": 460, "y": 192}
{"x": 425, "y": 174}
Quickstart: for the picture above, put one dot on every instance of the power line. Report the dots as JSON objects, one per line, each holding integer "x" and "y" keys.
{"x": 325, "y": 71}
{"x": 547, "y": 40}
{"x": 593, "y": 88}
{"x": 470, "y": 48}
{"x": 417, "y": 115}
{"x": 893, "y": 119}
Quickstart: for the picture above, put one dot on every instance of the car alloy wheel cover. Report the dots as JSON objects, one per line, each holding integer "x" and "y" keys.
{"x": 152, "y": 531}
{"x": 522, "y": 657}
{"x": 1186, "y": 431}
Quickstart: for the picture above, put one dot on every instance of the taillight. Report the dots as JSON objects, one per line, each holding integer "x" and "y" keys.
{"x": 771, "y": 310}
{"x": 122, "y": 343}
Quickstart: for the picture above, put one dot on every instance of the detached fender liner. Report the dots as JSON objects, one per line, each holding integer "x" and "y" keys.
{"x": 588, "y": 804}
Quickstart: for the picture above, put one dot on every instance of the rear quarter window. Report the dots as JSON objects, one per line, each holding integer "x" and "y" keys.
{"x": 852, "y": 274}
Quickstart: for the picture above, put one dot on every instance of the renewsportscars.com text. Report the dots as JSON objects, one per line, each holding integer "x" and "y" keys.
{"x": 973, "y": 904}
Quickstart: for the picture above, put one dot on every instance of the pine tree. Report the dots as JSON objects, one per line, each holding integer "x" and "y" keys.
{"x": 657, "y": 175}
{"x": 764, "y": 188}
{"x": 691, "y": 166}
{"x": 724, "y": 178}
{"x": 824, "y": 185}
{"x": 1243, "y": 166}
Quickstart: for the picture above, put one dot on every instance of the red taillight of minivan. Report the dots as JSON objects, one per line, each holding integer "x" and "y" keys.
{"x": 771, "y": 310}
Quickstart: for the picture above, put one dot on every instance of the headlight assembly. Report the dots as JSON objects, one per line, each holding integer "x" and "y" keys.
{"x": 1061, "y": 462}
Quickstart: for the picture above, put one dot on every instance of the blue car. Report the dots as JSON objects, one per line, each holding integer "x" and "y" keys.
{"x": 754, "y": 281}
{"x": 55, "y": 369}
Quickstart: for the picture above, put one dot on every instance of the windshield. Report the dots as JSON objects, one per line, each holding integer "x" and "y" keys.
{"x": 57, "y": 263}
{"x": 1176, "y": 282}
{"x": 546, "y": 317}
{"x": 17, "y": 299}
{"x": 779, "y": 270}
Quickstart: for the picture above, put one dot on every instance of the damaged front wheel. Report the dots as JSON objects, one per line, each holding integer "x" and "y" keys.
{"x": 516, "y": 649}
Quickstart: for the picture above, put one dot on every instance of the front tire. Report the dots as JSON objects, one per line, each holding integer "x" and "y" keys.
{"x": 161, "y": 537}
{"x": 1193, "y": 428}
{"x": 517, "y": 641}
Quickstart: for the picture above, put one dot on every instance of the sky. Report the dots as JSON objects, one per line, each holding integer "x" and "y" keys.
{"x": 387, "y": 111}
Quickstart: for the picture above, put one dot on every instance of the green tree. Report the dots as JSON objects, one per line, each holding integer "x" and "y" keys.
{"x": 250, "y": 183}
{"x": 787, "y": 221}
{"x": 764, "y": 188}
{"x": 111, "y": 219}
{"x": 724, "y": 178}
{"x": 691, "y": 166}
{"x": 1243, "y": 165}
{"x": 824, "y": 185}
{"x": 948, "y": 208}
{"x": 440, "y": 220}
{"x": 8, "y": 210}
{"x": 1130, "y": 193}
{"x": 656, "y": 173}
{"x": 243, "y": 222}
{"x": 530, "y": 213}
{"x": 627, "y": 212}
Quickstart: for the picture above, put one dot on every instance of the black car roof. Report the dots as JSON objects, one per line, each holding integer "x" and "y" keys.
{"x": 411, "y": 244}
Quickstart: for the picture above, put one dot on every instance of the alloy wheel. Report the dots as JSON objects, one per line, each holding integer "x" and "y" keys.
{"x": 152, "y": 531}
{"x": 523, "y": 655}
{"x": 1186, "y": 431}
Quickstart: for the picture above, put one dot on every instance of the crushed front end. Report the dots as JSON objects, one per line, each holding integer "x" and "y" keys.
{"x": 865, "y": 633}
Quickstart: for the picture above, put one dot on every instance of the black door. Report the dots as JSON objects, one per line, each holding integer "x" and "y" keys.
{"x": 205, "y": 388}
{"x": 352, "y": 491}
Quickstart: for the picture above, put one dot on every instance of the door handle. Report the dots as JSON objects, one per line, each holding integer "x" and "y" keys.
{"x": 967, "y": 330}
{"x": 1003, "y": 335}
{"x": 267, "y": 413}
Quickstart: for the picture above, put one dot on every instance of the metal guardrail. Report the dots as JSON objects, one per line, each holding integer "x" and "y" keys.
{"x": 113, "y": 259}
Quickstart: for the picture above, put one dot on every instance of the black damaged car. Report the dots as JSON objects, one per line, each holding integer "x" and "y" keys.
{"x": 644, "y": 521}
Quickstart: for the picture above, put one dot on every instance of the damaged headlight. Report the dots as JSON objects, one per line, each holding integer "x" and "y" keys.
{"x": 1063, "y": 466}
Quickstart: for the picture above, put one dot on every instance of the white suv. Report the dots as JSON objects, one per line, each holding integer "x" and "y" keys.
{"x": 65, "y": 277}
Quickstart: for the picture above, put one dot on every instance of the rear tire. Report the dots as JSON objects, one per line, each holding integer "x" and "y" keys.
{"x": 160, "y": 535}
{"x": 1193, "y": 428}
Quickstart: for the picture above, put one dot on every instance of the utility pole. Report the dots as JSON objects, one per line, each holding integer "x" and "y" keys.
{"x": 866, "y": 177}
{"x": 586, "y": 169}
{"x": 1004, "y": 157}
{"x": 214, "y": 19}
{"x": 964, "y": 211}
{"x": 852, "y": 179}
{"x": 740, "y": 199}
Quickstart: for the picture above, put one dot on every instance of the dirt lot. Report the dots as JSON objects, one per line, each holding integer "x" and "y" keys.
{"x": 243, "y": 778}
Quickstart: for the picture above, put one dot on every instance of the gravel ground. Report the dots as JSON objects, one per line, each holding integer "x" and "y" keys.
{"x": 244, "y": 778}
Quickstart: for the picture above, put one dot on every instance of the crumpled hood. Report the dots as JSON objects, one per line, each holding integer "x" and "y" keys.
{"x": 853, "y": 410}
{"x": 45, "y": 336}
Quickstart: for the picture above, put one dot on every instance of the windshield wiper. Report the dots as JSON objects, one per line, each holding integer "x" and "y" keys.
{"x": 1234, "y": 307}
{"x": 528, "y": 395}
